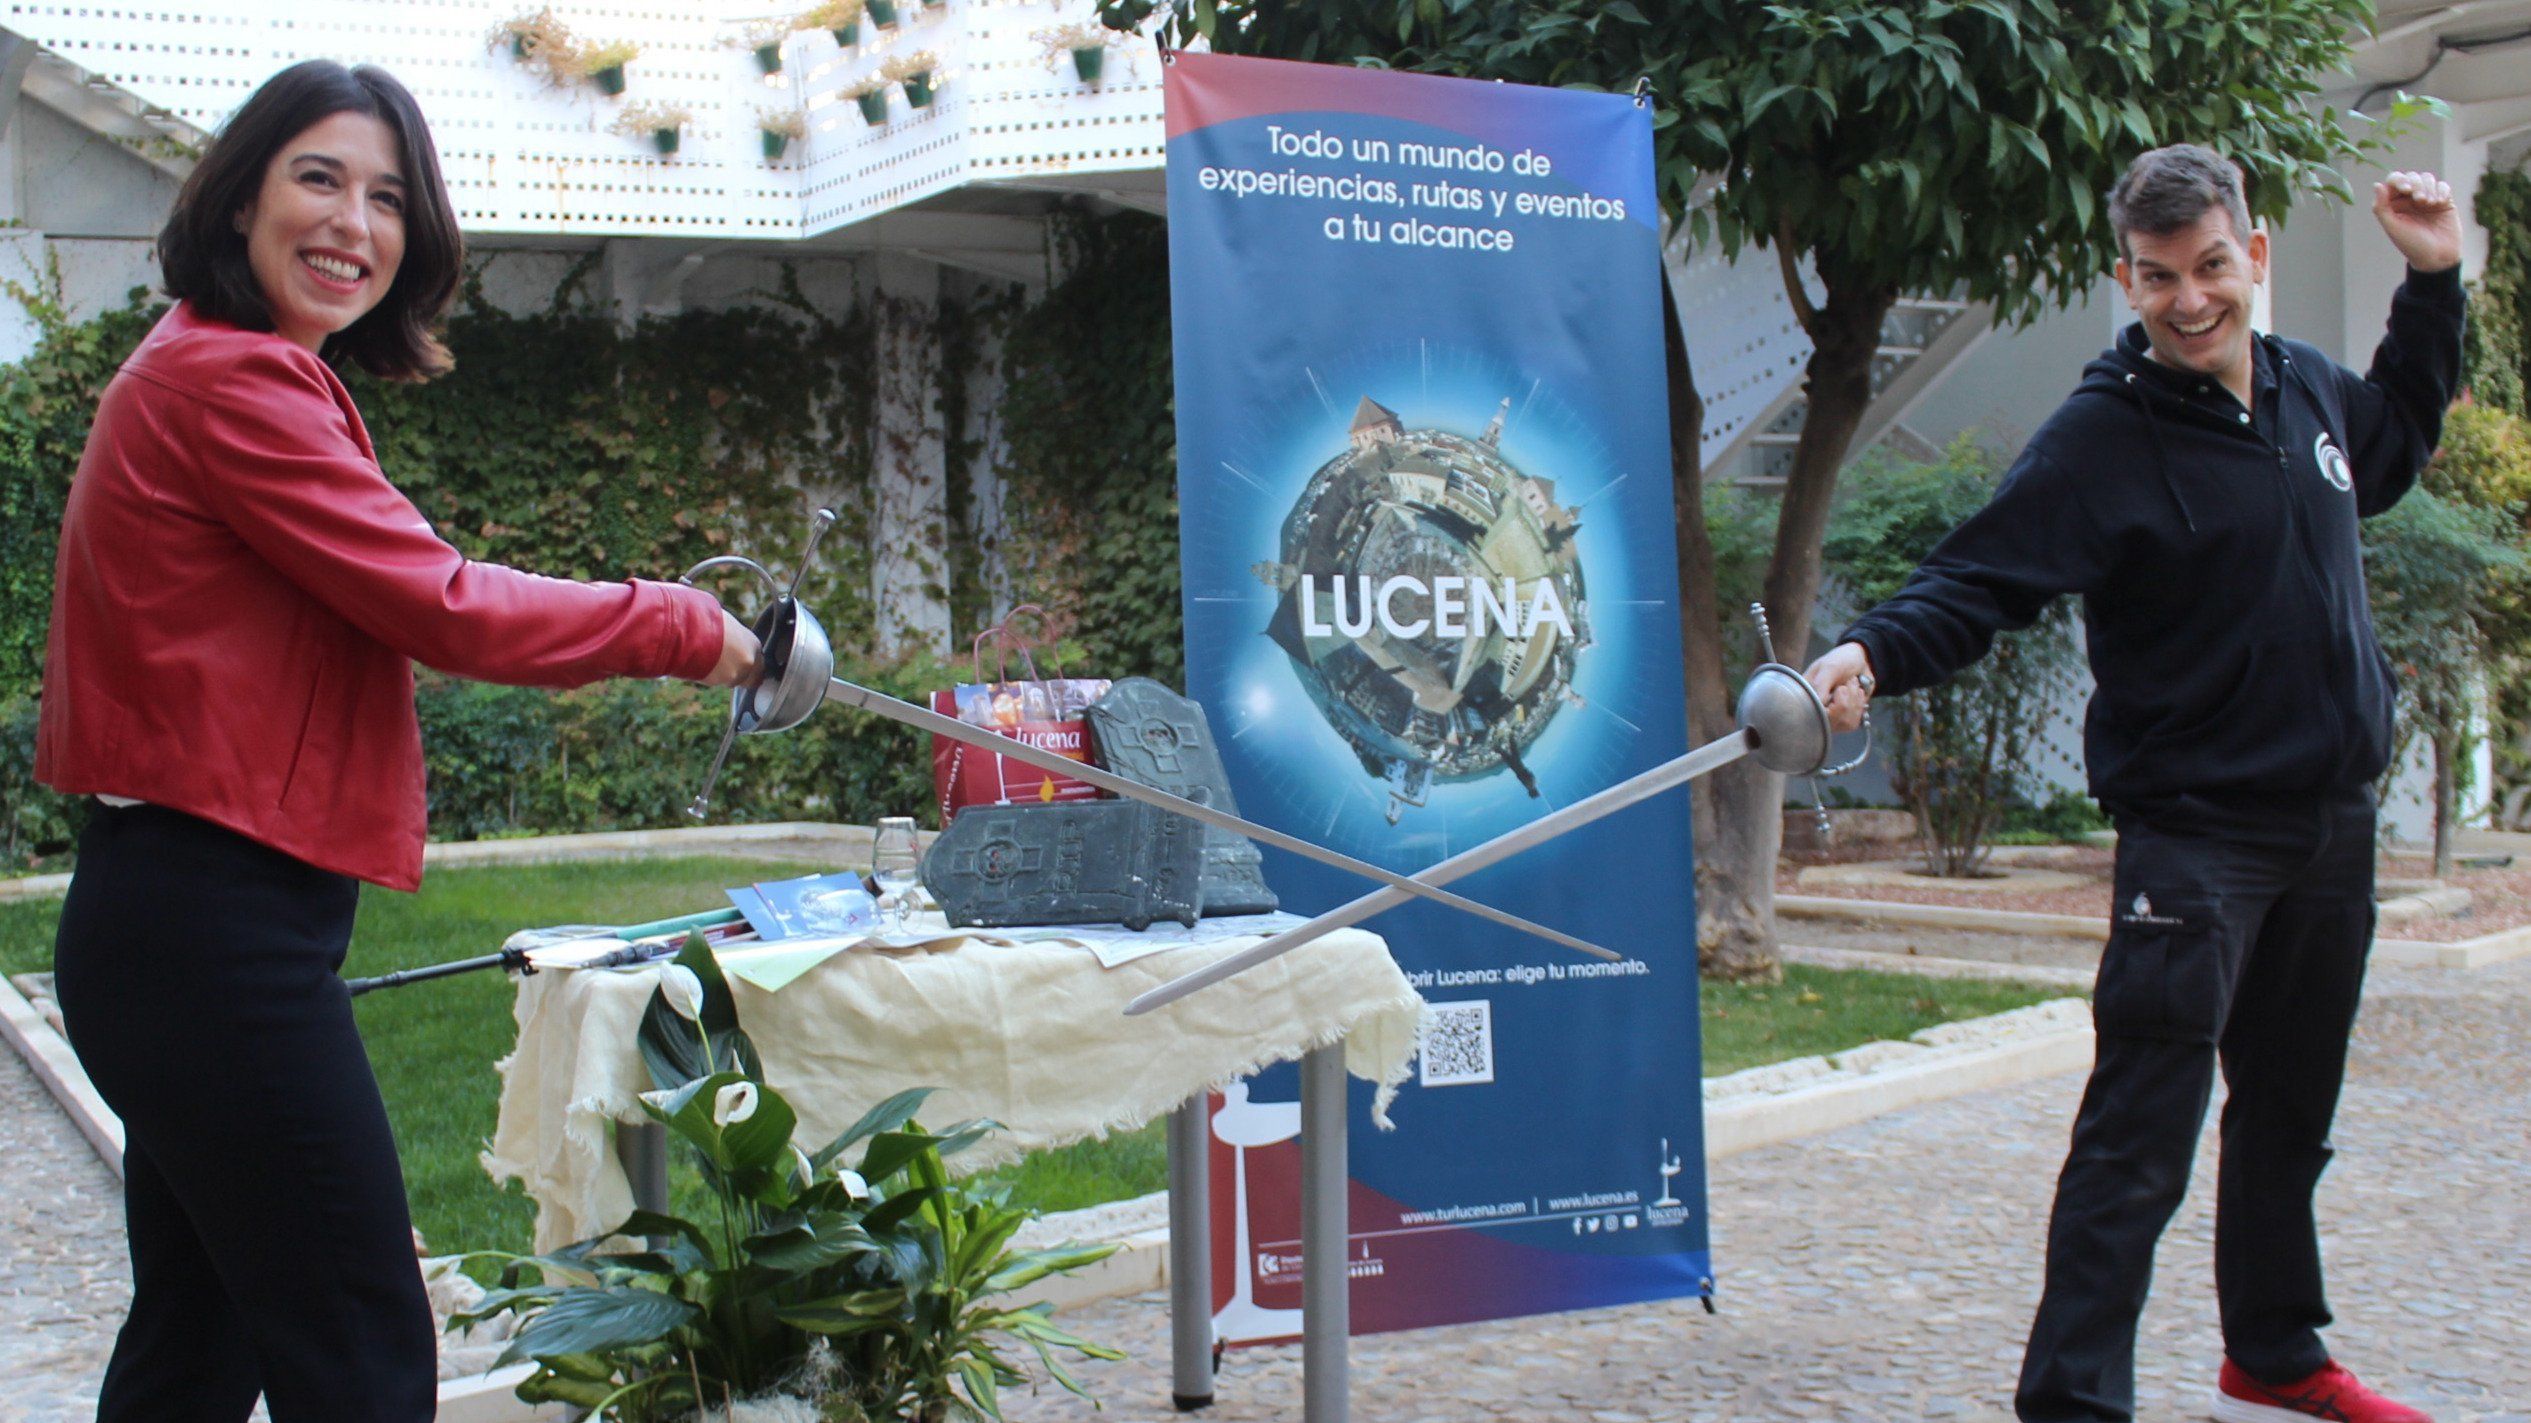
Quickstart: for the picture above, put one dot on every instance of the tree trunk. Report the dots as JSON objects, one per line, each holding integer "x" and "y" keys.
{"x": 1738, "y": 829}
{"x": 1845, "y": 333}
{"x": 2444, "y": 794}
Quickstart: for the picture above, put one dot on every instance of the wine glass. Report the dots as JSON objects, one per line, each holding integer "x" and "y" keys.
{"x": 895, "y": 864}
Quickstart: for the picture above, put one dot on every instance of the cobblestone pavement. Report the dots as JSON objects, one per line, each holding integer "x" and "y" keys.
{"x": 64, "y": 1278}
{"x": 1885, "y": 1271}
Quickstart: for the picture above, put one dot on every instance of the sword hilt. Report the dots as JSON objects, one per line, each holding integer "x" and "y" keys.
{"x": 1766, "y": 634}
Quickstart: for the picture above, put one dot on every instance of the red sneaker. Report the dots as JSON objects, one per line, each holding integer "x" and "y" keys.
{"x": 2332, "y": 1393}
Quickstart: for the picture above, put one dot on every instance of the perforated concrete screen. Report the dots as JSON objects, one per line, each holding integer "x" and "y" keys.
{"x": 526, "y": 157}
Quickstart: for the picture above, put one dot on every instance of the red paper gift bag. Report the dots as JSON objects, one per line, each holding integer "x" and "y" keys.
{"x": 1047, "y": 713}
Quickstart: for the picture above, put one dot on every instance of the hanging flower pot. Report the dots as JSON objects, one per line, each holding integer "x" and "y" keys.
{"x": 777, "y": 127}
{"x": 914, "y": 71}
{"x": 603, "y": 64}
{"x": 882, "y": 13}
{"x": 874, "y": 106}
{"x": 848, "y": 35}
{"x": 1085, "y": 45}
{"x": 769, "y": 58}
{"x": 662, "y": 124}
{"x": 536, "y": 40}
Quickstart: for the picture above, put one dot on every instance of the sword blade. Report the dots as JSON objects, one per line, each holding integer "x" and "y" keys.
{"x": 896, "y": 709}
{"x": 1721, "y": 751}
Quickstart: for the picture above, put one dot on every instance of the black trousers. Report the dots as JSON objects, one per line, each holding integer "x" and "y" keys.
{"x": 272, "y": 1253}
{"x": 2238, "y": 936}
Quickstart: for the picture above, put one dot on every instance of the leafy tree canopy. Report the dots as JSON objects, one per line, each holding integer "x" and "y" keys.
{"x": 1903, "y": 147}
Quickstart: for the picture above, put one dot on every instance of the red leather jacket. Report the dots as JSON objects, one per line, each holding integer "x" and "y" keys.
{"x": 241, "y": 595}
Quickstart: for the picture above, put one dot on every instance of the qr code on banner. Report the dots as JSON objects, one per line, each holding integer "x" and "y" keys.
{"x": 1458, "y": 1043}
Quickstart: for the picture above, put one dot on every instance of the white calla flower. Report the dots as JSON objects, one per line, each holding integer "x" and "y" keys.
{"x": 854, "y": 1186}
{"x": 801, "y": 1171}
{"x": 733, "y": 1104}
{"x": 665, "y": 1099}
{"x": 683, "y": 991}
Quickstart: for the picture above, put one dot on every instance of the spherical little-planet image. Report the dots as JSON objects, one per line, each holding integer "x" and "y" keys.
{"x": 1431, "y": 602}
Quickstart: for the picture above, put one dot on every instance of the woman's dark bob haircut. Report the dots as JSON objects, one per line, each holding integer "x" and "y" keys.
{"x": 203, "y": 255}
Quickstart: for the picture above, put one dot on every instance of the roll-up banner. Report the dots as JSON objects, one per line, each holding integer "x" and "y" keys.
{"x": 1431, "y": 595}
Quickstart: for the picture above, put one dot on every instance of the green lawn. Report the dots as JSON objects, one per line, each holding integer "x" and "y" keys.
{"x": 433, "y": 1044}
{"x": 1816, "y": 1010}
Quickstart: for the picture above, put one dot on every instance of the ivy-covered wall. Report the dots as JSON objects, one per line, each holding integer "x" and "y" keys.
{"x": 2499, "y": 356}
{"x": 568, "y": 443}
{"x": 1089, "y": 457}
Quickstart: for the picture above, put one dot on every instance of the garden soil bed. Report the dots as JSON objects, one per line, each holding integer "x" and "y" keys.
{"x": 2500, "y": 898}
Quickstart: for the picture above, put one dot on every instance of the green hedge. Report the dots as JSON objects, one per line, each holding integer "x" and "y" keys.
{"x": 619, "y": 756}
{"x": 630, "y": 755}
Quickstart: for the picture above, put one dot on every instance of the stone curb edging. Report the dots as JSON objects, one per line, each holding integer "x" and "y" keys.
{"x": 1940, "y": 916}
{"x": 625, "y": 844}
{"x": 1931, "y": 966}
{"x": 547, "y": 849}
{"x": 47, "y": 1053}
{"x": 2500, "y": 947}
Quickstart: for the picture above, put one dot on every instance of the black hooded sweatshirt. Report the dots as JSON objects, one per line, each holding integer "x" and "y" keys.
{"x": 2215, "y": 551}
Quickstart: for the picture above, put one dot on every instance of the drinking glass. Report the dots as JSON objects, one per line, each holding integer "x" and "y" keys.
{"x": 895, "y": 864}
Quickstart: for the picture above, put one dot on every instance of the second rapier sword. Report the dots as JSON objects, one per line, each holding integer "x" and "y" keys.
{"x": 897, "y": 709}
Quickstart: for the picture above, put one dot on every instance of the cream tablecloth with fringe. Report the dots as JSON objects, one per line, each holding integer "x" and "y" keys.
{"x": 1030, "y": 1035}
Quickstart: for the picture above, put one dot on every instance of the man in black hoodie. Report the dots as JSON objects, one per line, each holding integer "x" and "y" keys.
{"x": 2200, "y": 491}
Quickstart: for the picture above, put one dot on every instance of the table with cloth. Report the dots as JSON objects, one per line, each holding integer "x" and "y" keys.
{"x": 1031, "y": 1034}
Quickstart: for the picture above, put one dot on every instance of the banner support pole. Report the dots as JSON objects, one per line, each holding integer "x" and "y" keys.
{"x": 1326, "y": 1295}
{"x": 1190, "y": 1256}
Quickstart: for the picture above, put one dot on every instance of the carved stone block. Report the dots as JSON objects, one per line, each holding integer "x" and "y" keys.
{"x": 1075, "y": 862}
{"x": 1151, "y": 735}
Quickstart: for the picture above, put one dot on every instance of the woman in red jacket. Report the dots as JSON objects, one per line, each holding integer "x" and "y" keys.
{"x": 240, "y": 598}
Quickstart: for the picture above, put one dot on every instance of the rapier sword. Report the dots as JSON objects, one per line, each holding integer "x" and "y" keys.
{"x": 1719, "y": 752}
{"x": 1782, "y": 722}
{"x": 1401, "y": 886}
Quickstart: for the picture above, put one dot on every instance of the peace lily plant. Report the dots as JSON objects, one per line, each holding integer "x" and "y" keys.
{"x": 867, "y": 1286}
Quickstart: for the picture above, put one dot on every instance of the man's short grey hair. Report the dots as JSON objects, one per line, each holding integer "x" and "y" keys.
{"x": 2167, "y": 189}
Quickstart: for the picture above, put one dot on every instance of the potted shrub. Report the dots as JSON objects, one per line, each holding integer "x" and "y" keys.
{"x": 913, "y": 71}
{"x": 663, "y": 124}
{"x": 882, "y": 13}
{"x": 840, "y": 18}
{"x": 779, "y": 127}
{"x": 1084, "y": 44}
{"x": 871, "y": 93}
{"x": 603, "y": 64}
{"x": 861, "y": 1280}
